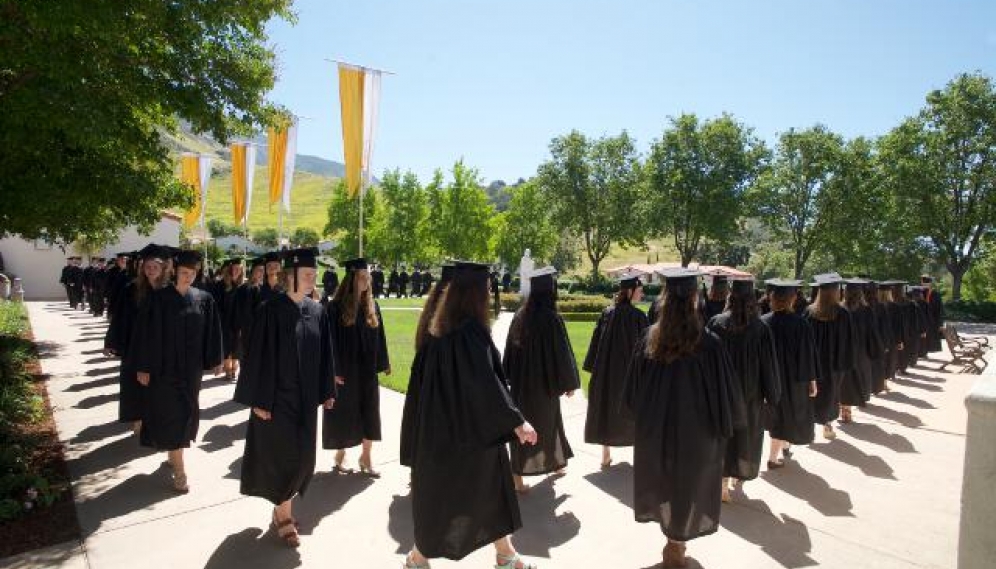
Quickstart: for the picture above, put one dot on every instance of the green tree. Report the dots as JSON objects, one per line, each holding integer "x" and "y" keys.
{"x": 526, "y": 224}
{"x": 941, "y": 168}
{"x": 796, "y": 197}
{"x": 593, "y": 187}
{"x": 87, "y": 89}
{"x": 266, "y": 237}
{"x": 460, "y": 221}
{"x": 400, "y": 232}
{"x": 304, "y": 237}
{"x": 218, "y": 228}
{"x": 697, "y": 173}
{"x": 344, "y": 220}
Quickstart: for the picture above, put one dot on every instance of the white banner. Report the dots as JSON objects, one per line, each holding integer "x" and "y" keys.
{"x": 204, "y": 169}
{"x": 250, "y": 172}
{"x": 371, "y": 112}
{"x": 291, "y": 157}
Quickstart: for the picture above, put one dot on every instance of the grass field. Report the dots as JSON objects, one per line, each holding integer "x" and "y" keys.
{"x": 310, "y": 196}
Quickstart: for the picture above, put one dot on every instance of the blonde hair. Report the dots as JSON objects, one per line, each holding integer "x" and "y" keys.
{"x": 351, "y": 304}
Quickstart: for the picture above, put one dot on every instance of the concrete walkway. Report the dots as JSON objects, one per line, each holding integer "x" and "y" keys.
{"x": 885, "y": 494}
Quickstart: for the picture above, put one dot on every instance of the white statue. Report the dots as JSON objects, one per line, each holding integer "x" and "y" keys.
{"x": 526, "y": 266}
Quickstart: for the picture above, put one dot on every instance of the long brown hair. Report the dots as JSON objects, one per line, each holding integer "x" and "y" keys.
{"x": 542, "y": 295}
{"x": 678, "y": 329}
{"x": 428, "y": 311}
{"x": 229, "y": 280}
{"x": 871, "y": 296}
{"x": 351, "y": 304}
{"x": 144, "y": 286}
{"x": 742, "y": 306}
{"x": 854, "y": 298}
{"x": 885, "y": 295}
{"x": 782, "y": 299}
{"x": 466, "y": 297}
{"x": 824, "y": 308}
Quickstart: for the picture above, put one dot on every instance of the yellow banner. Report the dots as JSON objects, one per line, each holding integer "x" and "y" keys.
{"x": 351, "y": 101}
{"x": 190, "y": 175}
{"x": 238, "y": 182}
{"x": 277, "y": 157}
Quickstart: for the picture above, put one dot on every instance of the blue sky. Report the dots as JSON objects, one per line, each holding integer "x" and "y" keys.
{"x": 493, "y": 81}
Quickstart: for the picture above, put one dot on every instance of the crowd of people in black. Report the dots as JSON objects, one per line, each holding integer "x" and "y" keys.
{"x": 692, "y": 388}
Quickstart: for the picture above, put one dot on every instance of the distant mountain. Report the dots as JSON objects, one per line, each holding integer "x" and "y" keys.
{"x": 188, "y": 141}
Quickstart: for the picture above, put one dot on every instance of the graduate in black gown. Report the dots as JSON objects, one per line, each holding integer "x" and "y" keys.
{"x": 910, "y": 326}
{"x": 417, "y": 283}
{"x": 831, "y": 325}
{"x": 878, "y": 298}
{"x": 330, "y": 282}
{"x": 923, "y": 319}
{"x": 377, "y": 275}
{"x": 246, "y": 302}
{"x": 856, "y": 386}
{"x": 177, "y": 338}
{"x": 225, "y": 293}
{"x": 715, "y": 301}
{"x": 682, "y": 389}
{"x": 540, "y": 367}
{"x": 121, "y": 331}
{"x": 609, "y": 421}
{"x": 118, "y": 277}
{"x": 935, "y": 314}
{"x": 751, "y": 348}
{"x": 409, "y": 417}
{"x": 360, "y": 346}
{"x": 290, "y": 372}
{"x": 463, "y": 496}
{"x": 791, "y": 420}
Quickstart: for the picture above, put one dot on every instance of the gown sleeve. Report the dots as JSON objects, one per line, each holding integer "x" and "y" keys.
{"x": 212, "y": 348}
{"x": 596, "y": 339}
{"x": 771, "y": 381}
{"x": 383, "y": 358}
{"x": 326, "y": 380}
{"x": 148, "y": 336}
{"x": 489, "y": 408}
{"x": 725, "y": 401}
{"x": 565, "y": 366}
{"x": 265, "y": 347}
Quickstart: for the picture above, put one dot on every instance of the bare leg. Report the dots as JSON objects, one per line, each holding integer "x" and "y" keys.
{"x": 606, "y": 456}
{"x": 175, "y": 458}
{"x": 415, "y": 558}
{"x": 520, "y": 486}
{"x": 726, "y": 490}
{"x": 366, "y": 464}
{"x": 674, "y": 554}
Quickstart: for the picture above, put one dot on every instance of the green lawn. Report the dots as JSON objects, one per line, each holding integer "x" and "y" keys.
{"x": 580, "y": 335}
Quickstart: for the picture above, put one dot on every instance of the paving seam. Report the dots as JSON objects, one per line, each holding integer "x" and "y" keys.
{"x": 168, "y": 516}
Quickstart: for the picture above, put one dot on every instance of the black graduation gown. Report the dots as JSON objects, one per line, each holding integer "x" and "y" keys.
{"x": 713, "y": 308}
{"x": 225, "y": 300}
{"x": 914, "y": 325}
{"x": 110, "y": 289}
{"x": 409, "y": 415}
{"x": 176, "y": 339}
{"x": 834, "y": 356}
{"x": 685, "y": 412}
{"x": 856, "y": 386}
{"x": 539, "y": 371}
{"x": 462, "y": 492}
{"x": 881, "y": 368}
{"x": 360, "y": 353}
{"x": 795, "y": 351}
{"x": 935, "y": 321}
{"x": 923, "y": 312}
{"x": 330, "y": 282}
{"x": 755, "y": 365}
{"x": 64, "y": 281}
{"x": 899, "y": 322}
{"x": 609, "y": 421}
{"x": 292, "y": 373}
{"x": 118, "y": 339}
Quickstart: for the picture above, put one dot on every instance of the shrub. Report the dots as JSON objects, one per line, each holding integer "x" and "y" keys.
{"x": 970, "y": 311}
{"x": 566, "y": 303}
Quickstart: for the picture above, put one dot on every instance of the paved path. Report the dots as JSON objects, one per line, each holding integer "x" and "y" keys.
{"x": 885, "y": 494}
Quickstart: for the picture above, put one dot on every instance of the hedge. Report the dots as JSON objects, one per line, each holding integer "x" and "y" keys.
{"x": 970, "y": 311}
{"x": 566, "y": 303}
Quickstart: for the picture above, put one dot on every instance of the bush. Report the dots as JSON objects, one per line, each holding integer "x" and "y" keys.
{"x": 566, "y": 303}
{"x": 581, "y": 316}
{"x": 21, "y": 490}
{"x": 970, "y": 311}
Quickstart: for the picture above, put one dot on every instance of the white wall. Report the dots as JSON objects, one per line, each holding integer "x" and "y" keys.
{"x": 39, "y": 265}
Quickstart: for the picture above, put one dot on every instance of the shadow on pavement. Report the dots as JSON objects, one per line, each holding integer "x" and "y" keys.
{"x": 899, "y": 397}
{"x": 96, "y": 400}
{"x": 843, "y": 451}
{"x": 136, "y": 493}
{"x": 546, "y": 528}
{"x": 110, "y": 455}
{"x": 903, "y": 418}
{"x": 99, "y": 382}
{"x": 810, "y": 488}
{"x": 921, "y": 377}
{"x": 917, "y": 384}
{"x": 252, "y": 547}
{"x": 399, "y": 523}
{"x": 220, "y": 437}
{"x": 95, "y": 433}
{"x": 784, "y": 539}
{"x": 221, "y": 409}
{"x": 872, "y": 433}
{"x": 616, "y": 481}
{"x": 102, "y": 370}
{"x": 326, "y": 494}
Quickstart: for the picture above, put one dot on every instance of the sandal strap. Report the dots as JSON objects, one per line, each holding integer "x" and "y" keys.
{"x": 409, "y": 564}
{"x": 510, "y": 562}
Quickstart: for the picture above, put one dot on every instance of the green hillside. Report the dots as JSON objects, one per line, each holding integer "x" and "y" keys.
{"x": 310, "y": 196}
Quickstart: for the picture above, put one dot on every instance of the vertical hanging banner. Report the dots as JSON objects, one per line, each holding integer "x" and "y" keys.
{"x": 290, "y": 157}
{"x": 351, "y": 99}
{"x": 190, "y": 176}
{"x": 277, "y": 140}
{"x": 204, "y": 171}
{"x": 371, "y": 105}
{"x": 243, "y": 170}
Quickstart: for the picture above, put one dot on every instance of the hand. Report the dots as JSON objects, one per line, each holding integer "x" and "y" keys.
{"x": 901, "y": 346}
{"x": 218, "y": 369}
{"x": 526, "y": 433}
{"x": 143, "y": 377}
{"x": 108, "y": 353}
{"x": 924, "y": 335}
{"x": 388, "y": 372}
{"x": 339, "y": 380}
{"x": 262, "y": 413}
{"x": 813, "y": 390}
{"x": 329, "y": 403}
{"x": 570, "y": 393}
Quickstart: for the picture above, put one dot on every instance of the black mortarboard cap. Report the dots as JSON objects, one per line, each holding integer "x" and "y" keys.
{"x": 258, "y": 262}
{"x": 188, "y": 258}
{"x": 543, "y": 272}
{"x": 827, "y": 280}
{"x": 629, "y": 280}
{"x": 856, "y": 283}
{"x": 742, "y": 286}
{"x": 273, "y": 257}
{"x": 791, "y": 284}
{"x": 447, "y": 273}
{"x": 153, "y": 251}
{"x": 472, "y": 270}
{"x": 357, "y": 264}
{"x": 123, "y": 254}
{"x": 926, "y": 279}
{"x": 680, "y": 281}
{"x": 297, "y": 258}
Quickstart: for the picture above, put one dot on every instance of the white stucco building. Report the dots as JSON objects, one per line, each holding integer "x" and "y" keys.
{"x": 39, "y": 264}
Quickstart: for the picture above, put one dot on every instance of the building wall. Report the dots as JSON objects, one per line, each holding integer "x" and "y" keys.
{"x": 39, "y": 264}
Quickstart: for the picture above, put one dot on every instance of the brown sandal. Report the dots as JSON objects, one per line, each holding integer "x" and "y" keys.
{"x": 289, "y": 536}
{"x": 674, "y": 555}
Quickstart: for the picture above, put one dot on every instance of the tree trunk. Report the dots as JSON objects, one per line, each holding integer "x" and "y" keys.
{"x": 957, "y": 274}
